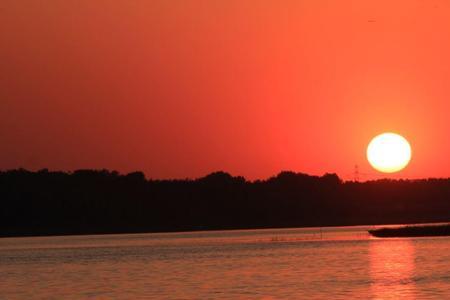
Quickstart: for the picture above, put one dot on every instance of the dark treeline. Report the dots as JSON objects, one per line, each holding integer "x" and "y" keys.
{"x": 88, "y": 201}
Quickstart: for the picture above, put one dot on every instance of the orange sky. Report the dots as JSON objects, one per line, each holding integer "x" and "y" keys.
{"x": 183, "y": 88}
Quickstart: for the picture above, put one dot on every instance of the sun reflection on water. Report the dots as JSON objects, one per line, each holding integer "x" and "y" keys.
{"x": 392, "y": 269}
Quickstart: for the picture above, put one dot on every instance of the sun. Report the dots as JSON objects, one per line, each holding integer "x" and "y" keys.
{"x": 389, "y": 152}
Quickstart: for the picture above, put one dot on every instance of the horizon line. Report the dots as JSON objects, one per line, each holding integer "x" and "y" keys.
{"x": 118, "y": 173}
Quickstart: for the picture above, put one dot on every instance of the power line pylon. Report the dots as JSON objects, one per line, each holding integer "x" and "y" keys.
{"x": 356, "y": 174}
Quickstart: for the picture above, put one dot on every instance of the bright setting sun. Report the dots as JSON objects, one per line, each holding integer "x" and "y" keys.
{"x": 389, "y": 152}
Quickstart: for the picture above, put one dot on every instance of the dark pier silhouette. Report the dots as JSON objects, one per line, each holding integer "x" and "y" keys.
{"x": 412, "y": 231}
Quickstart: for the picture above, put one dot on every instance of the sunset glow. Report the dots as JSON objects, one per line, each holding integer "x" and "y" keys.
{"x": 181, "y": 89}
{"x": 225, "y": 149}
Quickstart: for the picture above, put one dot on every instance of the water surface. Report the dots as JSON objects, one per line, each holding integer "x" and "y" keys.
{"x": 314, "y": 263}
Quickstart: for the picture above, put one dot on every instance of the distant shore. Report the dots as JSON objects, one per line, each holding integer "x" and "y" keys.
{"x": 45, "y": 203}
{"x": 391, "y": 230}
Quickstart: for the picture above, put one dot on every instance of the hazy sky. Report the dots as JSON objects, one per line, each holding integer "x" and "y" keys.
{"x": 180, "y": 88}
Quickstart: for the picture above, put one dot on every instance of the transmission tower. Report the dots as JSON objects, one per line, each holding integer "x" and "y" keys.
{"x": 356, "y": 174}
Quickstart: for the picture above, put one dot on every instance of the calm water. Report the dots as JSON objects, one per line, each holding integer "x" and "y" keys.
{"x": 335, "y": 263}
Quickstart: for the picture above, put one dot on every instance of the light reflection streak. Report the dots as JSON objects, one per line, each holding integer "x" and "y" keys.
{"x": 392, "y": 269}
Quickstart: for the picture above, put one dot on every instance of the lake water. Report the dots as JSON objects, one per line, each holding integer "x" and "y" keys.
{"x": 332, "y": 263}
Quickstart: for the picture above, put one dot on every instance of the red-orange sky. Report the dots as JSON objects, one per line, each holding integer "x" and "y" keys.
{"x": 182, "y": 88}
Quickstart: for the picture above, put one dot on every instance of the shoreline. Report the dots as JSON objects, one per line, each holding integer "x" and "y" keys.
{"x": 376, "y": 229}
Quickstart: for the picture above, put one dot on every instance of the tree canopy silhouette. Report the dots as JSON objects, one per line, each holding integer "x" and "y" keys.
{"x": 101, "y": 201}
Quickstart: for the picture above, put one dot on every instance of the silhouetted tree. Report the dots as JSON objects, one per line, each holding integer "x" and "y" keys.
{"x": 102, "y": 201}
